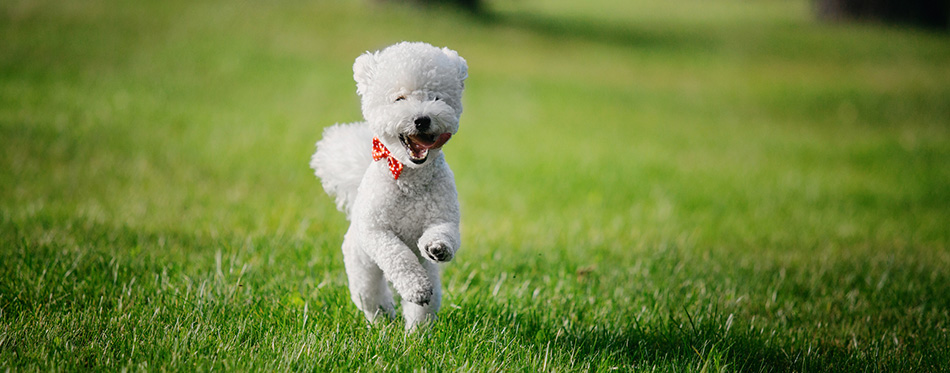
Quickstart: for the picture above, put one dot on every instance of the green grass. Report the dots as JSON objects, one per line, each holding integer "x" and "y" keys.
{"x": 687, "y": 186}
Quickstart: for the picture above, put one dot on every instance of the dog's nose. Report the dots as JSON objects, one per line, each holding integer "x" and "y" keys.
{"x": 422, "y": 123}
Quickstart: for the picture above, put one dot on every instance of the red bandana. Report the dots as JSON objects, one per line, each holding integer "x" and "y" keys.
{"x": 380, "y": 152}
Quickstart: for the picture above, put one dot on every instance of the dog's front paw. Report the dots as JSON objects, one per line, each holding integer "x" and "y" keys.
{"x": 437, "y": 251}
{"x": 419, "y": 296}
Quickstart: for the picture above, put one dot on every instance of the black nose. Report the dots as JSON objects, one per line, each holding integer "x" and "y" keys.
{"x": 422, "y": 123}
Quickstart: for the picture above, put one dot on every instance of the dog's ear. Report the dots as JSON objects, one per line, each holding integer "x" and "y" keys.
{"x": 363, "y": 71}
{"x": 462, "y": 65}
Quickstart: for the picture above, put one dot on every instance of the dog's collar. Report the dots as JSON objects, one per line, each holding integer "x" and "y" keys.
{"x": 380, "y": 152}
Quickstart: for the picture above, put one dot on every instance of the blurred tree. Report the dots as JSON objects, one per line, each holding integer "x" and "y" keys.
{"x": 473, "y": 6}
{"x": 926, "y": 13}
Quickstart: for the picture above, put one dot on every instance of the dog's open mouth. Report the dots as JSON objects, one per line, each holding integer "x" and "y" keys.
{"x": 418, "y": 145}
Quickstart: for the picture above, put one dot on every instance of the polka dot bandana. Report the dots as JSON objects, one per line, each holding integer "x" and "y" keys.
{"x": 380, "y": 152}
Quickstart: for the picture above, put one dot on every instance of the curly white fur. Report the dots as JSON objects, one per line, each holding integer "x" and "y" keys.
{"x": 399, "y": 227}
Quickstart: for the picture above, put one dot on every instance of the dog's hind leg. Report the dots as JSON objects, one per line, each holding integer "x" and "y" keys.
{"x": 368, "y": 288}
{"x": 418, "y": 315}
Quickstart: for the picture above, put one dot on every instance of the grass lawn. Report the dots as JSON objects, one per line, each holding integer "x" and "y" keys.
{"x": 672, "y": 186}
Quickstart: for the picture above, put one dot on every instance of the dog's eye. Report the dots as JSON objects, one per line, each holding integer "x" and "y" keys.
{"x": 400, "y": 98}
{"x": 437, "y": 98}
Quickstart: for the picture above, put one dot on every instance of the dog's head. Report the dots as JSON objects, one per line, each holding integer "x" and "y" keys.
{"x": 412, "y": 97}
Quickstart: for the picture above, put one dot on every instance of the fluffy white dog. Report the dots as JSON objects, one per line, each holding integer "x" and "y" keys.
{"x": 388, "y": 174}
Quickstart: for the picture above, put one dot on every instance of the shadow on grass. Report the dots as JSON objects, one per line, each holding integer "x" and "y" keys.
{"x": 602, "y": 32}
{"x": 669, "y": 343}
{"x": 702, "y": 346}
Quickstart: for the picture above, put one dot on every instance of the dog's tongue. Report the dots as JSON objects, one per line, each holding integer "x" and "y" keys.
{"x": 422, "y": 143}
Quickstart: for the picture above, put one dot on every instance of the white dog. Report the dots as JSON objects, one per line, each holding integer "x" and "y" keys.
{"x": 388, "y": 174}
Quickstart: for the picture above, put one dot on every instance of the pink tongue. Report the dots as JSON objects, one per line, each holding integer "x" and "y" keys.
{"x": 443, "y": 138}
{"x": 439, "y": 141}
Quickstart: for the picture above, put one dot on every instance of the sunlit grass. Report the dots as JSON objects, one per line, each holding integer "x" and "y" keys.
{"x": 688, "y": 186}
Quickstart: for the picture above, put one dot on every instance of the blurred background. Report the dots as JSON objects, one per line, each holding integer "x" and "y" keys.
{"x": 227, "y": 98}
{"x": 782, "y": 161}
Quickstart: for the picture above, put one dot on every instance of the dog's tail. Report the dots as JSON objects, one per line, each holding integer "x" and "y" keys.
{"x": 342, "y": 157}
